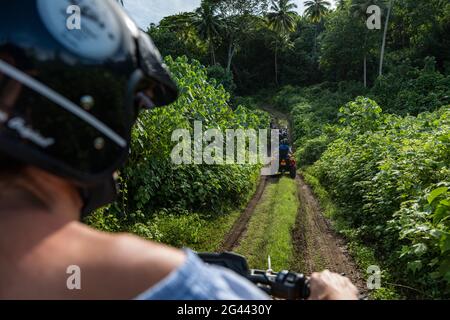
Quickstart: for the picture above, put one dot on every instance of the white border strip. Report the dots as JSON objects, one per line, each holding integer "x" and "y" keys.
{"x": 61, "y": 101}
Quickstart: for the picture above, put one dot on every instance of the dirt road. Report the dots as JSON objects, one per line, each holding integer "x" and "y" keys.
{"x": 316, "y": 245}
{"x": 232, "y": 239}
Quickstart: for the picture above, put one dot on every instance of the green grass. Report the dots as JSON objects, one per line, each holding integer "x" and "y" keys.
{"x": 214, "y": 231}
{"x": 328, "y": 207}
{"x": 201, "y": 232}
{"x": 363, "y": 255}
{"x": 269, "y": 230}
{"x": 197, "y": 231}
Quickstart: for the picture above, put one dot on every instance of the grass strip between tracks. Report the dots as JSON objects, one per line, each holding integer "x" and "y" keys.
{"x": 269, "y": 230}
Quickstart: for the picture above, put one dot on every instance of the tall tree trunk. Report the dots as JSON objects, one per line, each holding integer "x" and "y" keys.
{"x": 213, "y": 55}
{"x": 211, "y": 49}
{"x": 365, "y": 71}
{"x": 365, "y": 59}
{"x": 383, "y": 46}
{"x": 231, "y": 49}
{"x": 315, "y": 40}
{"x": 276, "y": 64}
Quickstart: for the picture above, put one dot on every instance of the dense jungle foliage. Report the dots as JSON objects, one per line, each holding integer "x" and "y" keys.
{"x": 390, "y": 176}
{"x": 389, "y": 173}
{"x": 172, "y": 203}
{"x": 370, "y": 111}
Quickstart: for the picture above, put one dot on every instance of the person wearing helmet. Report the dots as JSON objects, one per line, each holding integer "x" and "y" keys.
{"x": 285, "y": 150}
{"x": 68, "y": 101}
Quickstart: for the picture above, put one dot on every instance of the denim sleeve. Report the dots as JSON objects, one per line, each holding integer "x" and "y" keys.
{"x": 196, "y": 280}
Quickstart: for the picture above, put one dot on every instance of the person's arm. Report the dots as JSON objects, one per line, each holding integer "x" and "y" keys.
{"x": 133, "y": 268}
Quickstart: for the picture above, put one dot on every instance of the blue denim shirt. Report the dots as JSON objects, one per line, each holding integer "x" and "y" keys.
{"x": 196, "y": 280}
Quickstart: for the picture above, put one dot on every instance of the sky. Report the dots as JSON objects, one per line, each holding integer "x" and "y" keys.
{"x": 145, "y": 12}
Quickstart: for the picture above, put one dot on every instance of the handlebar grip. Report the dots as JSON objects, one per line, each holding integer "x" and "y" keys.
{"x": 283, "y": 285}
{"x": 291, "y": 286}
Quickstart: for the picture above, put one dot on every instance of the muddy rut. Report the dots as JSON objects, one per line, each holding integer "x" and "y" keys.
{"x": 240, "y": 226}
{"x": 317, "y": 246}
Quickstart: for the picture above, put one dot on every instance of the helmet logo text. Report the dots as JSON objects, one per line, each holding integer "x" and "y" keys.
{"x": 18, "y": 124}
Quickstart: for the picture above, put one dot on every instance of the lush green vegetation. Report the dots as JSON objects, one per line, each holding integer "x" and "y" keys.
{"x": 371, "y": 119}
{"x": 185, "y": 204}
{"x": 264, "y": 43}
{"x": 389, "y": 176}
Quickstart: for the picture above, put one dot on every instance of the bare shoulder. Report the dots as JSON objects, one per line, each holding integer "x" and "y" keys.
{"x": 123, "y": 266}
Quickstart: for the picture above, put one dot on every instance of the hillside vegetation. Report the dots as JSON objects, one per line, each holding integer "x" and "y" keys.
{"x": 182, "y": 205}
{"x": 389, "y": 174}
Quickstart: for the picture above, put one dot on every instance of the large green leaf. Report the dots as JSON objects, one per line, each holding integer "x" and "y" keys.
{"x": 436, "y": 193}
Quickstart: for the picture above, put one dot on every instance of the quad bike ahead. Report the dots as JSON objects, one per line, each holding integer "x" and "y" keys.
{"x": 287, "y": 161}
{"x": 289, "y": 165}
{"x": 281, "y": 285}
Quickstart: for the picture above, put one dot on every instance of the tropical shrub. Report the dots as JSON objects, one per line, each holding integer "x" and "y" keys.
{"x": 410, "y": 90}
{"x": 424, "y": 228}
{"x": 223, "y": 77}
{"x": 383, "y": 172}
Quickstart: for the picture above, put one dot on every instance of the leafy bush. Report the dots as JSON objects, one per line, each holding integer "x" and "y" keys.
{"x": 410, "y": 90}
{"x": 314, "y": 118}
{"x": 380, "y": 169}
{"x": 312, "y": 150}
{"x": 151, "y": 182}
{"x": 179, "y": 230}
{"x": 375, "y": 167}
{"x": 287, "y": 97}
{"x": 424, "y": 228}
{"x": 157, "y": 198}
{"x": 223, "y": 77}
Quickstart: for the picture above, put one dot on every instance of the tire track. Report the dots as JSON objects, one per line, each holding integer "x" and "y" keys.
{"x": 240, "y": 226}
{"x": 317, "y": 246}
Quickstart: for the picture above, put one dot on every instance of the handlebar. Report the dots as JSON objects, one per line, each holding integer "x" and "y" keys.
{"x": 282, "y": 285}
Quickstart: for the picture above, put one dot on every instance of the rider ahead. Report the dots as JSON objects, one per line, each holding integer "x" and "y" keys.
{"x": 68, "y": 100}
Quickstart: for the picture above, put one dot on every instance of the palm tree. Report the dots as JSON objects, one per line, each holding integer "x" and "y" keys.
{"x": 282, "y": 19}
{"x": 207, "y": 24}
{"x": 315, "y": 11}
{"x": 341, "y": 4}
{"x": 183, "y": 25}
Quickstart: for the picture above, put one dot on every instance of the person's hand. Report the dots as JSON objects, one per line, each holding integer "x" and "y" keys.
{"x": 331, "y": 286}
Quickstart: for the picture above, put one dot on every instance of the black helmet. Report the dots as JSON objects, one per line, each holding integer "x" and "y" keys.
{"x": 68, "y": 93}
